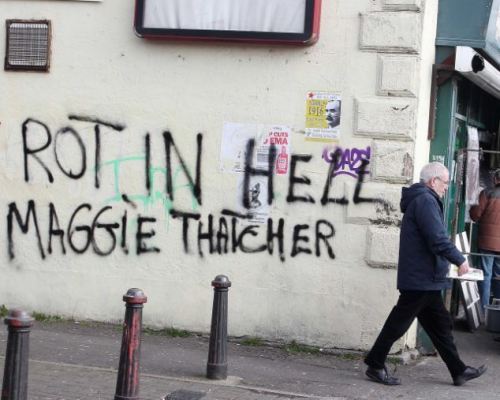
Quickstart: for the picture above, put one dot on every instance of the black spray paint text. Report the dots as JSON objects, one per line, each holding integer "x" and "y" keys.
{"x": 90, "y": 230}
{"x": 218, "y": 235}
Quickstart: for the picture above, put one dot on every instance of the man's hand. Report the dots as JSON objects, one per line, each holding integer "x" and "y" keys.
{"x": 463, "y": 268}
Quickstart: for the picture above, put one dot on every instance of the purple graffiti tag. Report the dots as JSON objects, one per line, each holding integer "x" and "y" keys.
{"x": 348, "y": 161}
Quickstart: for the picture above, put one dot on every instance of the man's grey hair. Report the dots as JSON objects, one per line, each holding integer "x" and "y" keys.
{"x": 432, "y": 170}
{"x": 496, "y": 175}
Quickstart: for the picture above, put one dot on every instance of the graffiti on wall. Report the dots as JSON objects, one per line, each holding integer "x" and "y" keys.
{"x": 348, "y": 161}
{"x": 104, "y": 229}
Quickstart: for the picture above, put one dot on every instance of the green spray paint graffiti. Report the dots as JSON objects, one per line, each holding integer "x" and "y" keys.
{"x": 157, "y": 195}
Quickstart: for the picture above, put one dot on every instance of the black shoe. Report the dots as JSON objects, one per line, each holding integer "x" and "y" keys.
{"x": 382, "y": 376}
{"x": 468, "y": 374}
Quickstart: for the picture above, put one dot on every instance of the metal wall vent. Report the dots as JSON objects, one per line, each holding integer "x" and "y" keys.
{"x": 27, "y": 45}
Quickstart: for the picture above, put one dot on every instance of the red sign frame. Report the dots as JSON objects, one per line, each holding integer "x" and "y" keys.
{"x": 308, "y": 36}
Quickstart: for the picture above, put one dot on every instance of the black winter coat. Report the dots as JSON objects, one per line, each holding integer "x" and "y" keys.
{"x": 425, "y": 250}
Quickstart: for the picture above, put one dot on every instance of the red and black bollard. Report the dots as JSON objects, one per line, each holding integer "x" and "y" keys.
{"x": 15, "y": 375}
{"x": 127, "y": 384}
{"x": 217, "y": 351}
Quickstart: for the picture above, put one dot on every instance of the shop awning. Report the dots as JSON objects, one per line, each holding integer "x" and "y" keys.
{"x": 472, "y": 23}
{"x": 474, "y": 67}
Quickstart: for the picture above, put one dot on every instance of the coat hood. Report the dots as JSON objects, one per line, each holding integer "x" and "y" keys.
{"x": 408, "y": 194}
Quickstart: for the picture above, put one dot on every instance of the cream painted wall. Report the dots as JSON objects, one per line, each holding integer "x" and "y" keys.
{"x": 100, "y": 69}
{"x": 422, "y": 145}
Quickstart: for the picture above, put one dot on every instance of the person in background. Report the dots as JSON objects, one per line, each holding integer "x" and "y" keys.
{"x": 425, "y": 252}
{"x": 487, "y": 215}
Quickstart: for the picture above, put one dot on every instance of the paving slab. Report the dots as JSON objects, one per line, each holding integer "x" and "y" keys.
{"x": 71, "y": 360}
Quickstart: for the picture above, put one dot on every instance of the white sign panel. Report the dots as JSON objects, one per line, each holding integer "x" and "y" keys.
{"x": 226, "y": 15}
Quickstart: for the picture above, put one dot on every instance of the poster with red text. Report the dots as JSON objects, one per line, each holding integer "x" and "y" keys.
{"x": 235, "y": 142}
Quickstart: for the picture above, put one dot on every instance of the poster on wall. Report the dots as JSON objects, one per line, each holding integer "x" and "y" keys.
{"x": 323, "y": 115}
{"x": 257, "y": 198}
{"x": 472, "y": 188}
{"x": 235, "y": 137}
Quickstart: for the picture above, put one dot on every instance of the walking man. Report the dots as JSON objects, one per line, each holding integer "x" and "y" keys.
{"x": 425, "y": 252}
{"x": 487, "y": 213}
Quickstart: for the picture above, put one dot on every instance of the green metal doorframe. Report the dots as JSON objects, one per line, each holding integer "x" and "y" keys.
{"x": 450, "y": 164}
{"x": 444, "y": 141}
{"x": 443, "y": 149}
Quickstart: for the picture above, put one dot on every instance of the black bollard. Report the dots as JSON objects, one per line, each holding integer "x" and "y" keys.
{"x": 217, "y": 350}
{"x": 127, "y": 384}
{"x": 15, "y": 375}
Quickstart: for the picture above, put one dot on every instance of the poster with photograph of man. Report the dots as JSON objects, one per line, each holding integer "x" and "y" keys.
{"x": 323, "y": 116}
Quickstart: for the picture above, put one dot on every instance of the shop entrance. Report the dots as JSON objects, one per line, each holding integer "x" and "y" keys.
{"x": 466, "y": 127}
{"x": 475, "y": 167}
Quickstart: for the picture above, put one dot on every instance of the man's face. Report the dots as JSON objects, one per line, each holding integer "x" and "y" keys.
{"x": 440, "y": 184}
{"x": 333, "y": 113}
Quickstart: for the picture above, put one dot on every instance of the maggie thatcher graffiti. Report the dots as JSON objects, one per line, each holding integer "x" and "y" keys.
{"x": 106, "y": 229}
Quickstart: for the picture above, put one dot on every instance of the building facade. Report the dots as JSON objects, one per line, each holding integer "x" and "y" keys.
{"x": 144, "y": 163}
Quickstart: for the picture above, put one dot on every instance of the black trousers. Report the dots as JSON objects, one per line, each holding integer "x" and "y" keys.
{"x": 429, "y": 309}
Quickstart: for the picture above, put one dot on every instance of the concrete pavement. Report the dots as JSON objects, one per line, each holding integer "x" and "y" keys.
{"x": 71, "y": 360}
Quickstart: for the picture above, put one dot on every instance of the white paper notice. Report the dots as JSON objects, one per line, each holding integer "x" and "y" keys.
{"x": 257, "y": 199}
{"x": 235, "y": 138}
